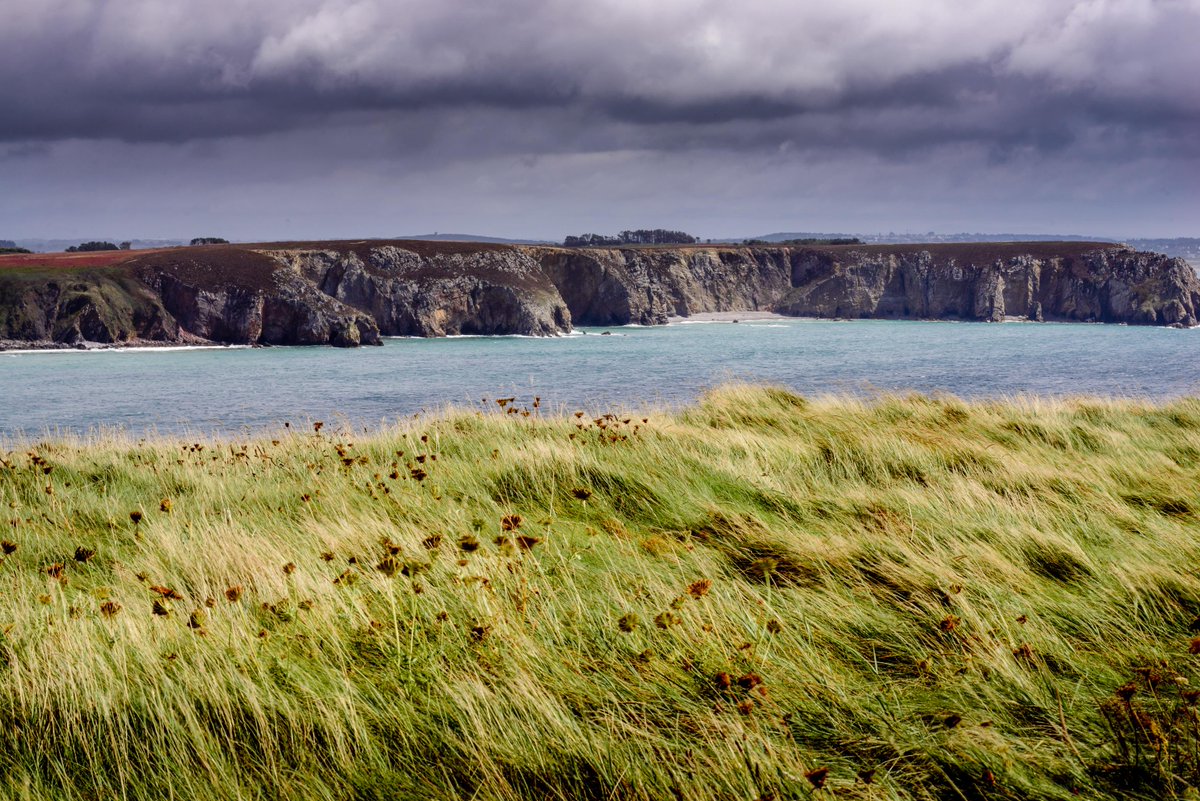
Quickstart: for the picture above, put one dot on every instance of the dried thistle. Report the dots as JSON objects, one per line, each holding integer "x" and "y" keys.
{"x": 526, "y": 542}
{"x": 700, "y": 588}
{"x": 110, "y": 608}
{"x": 83, "y": 554}
{"x": 510, "y": 522}
{"x": 233, "y": 594}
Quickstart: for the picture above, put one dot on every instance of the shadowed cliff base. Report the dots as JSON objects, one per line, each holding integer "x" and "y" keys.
{"x": 349, "y": 293}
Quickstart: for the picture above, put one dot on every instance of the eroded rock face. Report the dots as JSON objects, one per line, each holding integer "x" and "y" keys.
{"x": 647, "y": 286}
{"x": 242, "y": 297}
{"x": 1105, "y": 284}
{"x": 495, "y": 291}
{"x": 349, "y": 293}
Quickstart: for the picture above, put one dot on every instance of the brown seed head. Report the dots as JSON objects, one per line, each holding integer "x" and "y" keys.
{"x": 136, "y": 516}
{"x": 817, "y": 777}
{"x": 7, "y": 547}
{"x": 165, "y": 505}
{"x": 510, "y": 522}
{"x": 700, "y": 588}
{"x": 83, "y": 554}
{"x": 233, "y": 594}
{"x": 110, "y": 608}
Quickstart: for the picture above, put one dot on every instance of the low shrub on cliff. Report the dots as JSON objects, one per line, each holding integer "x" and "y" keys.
{"x": 761, "y": 596}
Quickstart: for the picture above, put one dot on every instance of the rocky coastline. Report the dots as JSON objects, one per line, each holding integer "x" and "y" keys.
{"x": 348, "y": 294}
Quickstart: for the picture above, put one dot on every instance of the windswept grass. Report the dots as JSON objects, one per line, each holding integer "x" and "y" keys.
{"x": 760, "y": 597}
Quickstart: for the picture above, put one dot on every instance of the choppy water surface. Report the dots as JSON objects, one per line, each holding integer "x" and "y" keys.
{"x": 229, "y": 390}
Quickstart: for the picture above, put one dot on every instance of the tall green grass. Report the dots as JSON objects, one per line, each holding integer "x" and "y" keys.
{"x": 759, "y": 597}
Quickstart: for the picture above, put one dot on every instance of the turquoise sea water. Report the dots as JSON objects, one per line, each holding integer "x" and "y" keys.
{"x": 235, "y": 389}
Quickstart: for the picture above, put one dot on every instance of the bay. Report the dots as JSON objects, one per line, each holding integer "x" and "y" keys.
{"x": 233, "y": 390}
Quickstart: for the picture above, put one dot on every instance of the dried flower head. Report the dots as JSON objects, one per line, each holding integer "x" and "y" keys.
{"x": 136, "y": 516}
{"x": 468, "y": 544}
{"x": 167, "y": 592}
{"x": 159, "y": 608}
{"x": 55, "y": 570}
{"x": 327, "y": 556}
{"x": 196, "y": 619}
{"x": 289, "y": 568}
{"x": 165, "y": 505}
{"x": 7, "y": 547}
{"x": 83, "y": 554}
{"x": 699, "y": 588}
{"x": 110, "y": 608}
{"x": 750, "y": 681}
{"x": 432, "y": 542}
{"x": 774, "y": 626}
{"x": 510, "y": 522}
{"x": 526, "y": 542}
{"x": 817, "y": 777}
{"x": 388, "y": 566}
{"x": 233, "y": 594}
{"x": 949, "y": 623}
{"x": 627, "y": 622}
{"x": 581, "y": 493}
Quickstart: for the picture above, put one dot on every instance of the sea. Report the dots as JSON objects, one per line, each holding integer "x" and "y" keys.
{"x": 235, "y": 391}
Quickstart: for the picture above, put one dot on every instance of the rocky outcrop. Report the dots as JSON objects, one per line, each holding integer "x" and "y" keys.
{"x": 648, "y": 285}
{"x": 1109, "y": 284}
{"x": 233, "y": 295}
{"x": 489, "y": 291}
{"x": 351, "y": 293}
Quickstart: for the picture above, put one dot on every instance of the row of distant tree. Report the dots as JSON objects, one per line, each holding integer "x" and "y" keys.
{"x": 644, "y": 236}
{"x": 92, "y": 247}
{"x": 807, "y": 241}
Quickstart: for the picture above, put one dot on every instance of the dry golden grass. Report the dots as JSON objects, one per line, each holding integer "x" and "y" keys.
{"x": 757, "y": 597}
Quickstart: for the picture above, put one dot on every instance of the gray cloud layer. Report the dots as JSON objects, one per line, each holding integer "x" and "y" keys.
{"x": 1095, "y": 82}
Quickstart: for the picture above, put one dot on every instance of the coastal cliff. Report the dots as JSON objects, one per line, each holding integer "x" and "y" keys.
{"x": 352, "y": 293}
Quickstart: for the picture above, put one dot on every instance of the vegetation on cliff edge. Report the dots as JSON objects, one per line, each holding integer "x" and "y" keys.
{"x": 757, "y": 597}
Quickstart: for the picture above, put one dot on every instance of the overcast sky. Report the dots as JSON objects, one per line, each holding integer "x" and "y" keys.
{"x": 266, "y": 119}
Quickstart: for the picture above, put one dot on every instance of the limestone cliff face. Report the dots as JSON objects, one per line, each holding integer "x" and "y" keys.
{"x": 1096, "y": 284}
{"x": 490, "y": 291}
{"x": 349, "y": 293}
{"x": 646, "y": 286}
{"x": 237, "y": 296}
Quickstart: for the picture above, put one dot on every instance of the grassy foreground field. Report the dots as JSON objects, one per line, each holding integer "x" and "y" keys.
{"x": 759, "y": 597}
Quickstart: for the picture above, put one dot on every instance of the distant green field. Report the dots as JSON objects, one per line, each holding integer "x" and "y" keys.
{"x": 759, "y": 597}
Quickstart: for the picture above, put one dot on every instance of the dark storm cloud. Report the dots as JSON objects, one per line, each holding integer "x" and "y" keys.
{"x": 861, "y": 75}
